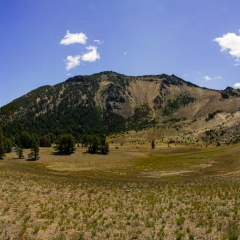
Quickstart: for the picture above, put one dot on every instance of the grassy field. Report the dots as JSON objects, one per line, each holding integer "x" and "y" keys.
{"x": 134, "y": 192}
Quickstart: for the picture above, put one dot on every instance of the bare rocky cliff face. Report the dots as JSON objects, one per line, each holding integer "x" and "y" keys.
{"x": 162, "y": 100}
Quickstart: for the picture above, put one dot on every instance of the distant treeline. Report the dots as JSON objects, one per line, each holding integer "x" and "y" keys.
{"x": 63, "y": 143}
{"x": 79, "y": 120}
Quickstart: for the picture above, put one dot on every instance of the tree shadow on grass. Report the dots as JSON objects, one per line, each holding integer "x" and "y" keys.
{"x": 31, "y": 159}
{"x": 61, "y": 153}
{"x": 94, "y": 153}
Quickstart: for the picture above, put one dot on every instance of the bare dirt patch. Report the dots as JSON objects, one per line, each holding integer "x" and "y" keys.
{"x": 165, "y": 173}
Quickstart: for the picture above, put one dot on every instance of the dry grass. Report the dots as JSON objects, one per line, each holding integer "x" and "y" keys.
{"x": 132, "y": 193}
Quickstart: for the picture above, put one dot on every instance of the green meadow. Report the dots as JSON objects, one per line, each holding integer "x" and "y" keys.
{"x": 134, "y": 192}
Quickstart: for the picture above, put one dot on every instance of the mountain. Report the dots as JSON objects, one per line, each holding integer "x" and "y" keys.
{"x": 109, "y": 102}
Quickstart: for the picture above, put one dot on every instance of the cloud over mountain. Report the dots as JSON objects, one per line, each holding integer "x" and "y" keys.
{"x": 207, "y": 78}
{"x": 71, "y": 38}
{"x": 72, "y": 62}
{"x": 230, "y": 43}
{"x": 92, "y": 55}
{"x": 237, "y": 85}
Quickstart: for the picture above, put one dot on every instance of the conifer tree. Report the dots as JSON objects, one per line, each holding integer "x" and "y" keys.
{"x": 104, "y": 146}
{"x": 1, "y": 144}
{"x": 7, "y": 145}
{"x": 20, "y": 152}
{"x": 153, "y": 144}
{"x": 66, "y": 144}
{"x": 35, "y": 149}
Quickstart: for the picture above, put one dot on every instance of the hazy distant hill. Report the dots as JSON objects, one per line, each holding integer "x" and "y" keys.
{"x": 109, "y": 102}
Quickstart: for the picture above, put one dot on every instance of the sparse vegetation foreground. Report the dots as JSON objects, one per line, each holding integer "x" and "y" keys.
{"x": 181, "y": 192}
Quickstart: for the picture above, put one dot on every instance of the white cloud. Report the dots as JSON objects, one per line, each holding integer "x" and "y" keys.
{"x": 98, "y": 41}
{"x": 69, "y": 74}
{"x": 237, "y": 85}
{"x": 92, "y": 54}
{"x": 125, "y": 53}
{"x": 230, "y": 42}
{"x": 207, "y": 78}
{"x": 72, "y": 61}
{"x": 71, "y": 38}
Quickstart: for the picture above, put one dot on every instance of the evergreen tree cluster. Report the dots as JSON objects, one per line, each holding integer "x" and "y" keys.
{"x": 2, "y": 149}
{"x": 97, "y": 145}
{"x": 65, "y": 144}
{"x": 174, "y": 104}
{"x": 5, "y": 144}
{"x": 24, "y": 140}
{"x": 211, "y": 115}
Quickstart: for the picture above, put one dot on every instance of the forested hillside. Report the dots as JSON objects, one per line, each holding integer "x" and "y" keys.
{"x": 108, "y": 102}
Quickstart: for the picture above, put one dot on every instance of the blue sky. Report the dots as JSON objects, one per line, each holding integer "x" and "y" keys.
{"x": 44, "y": 42}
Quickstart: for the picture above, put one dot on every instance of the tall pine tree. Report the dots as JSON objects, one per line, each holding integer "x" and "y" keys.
{"x": 1, "y": 144}
{"x": 35, "y": 150}
{"x": 65, "y": 144}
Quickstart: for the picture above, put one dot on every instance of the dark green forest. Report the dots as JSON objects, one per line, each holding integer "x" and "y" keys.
{"x": 70, "y": 107}
{"x": 85, "y": 108}
{"x": 48, "y": 114}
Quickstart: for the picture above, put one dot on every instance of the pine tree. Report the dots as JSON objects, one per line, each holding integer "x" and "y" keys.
{"x": 1, "y": 144}
{"x": 153, "y": 144}
{"x": 8, "y": 145}
{"x": 35, "y": 149}
{"x": 20, "y": 152}
{"x": 94, "y": 143}
{"x": 66, "y": 144}
{"x": 104, "y": 146}
{"x": 25, "y": 140}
